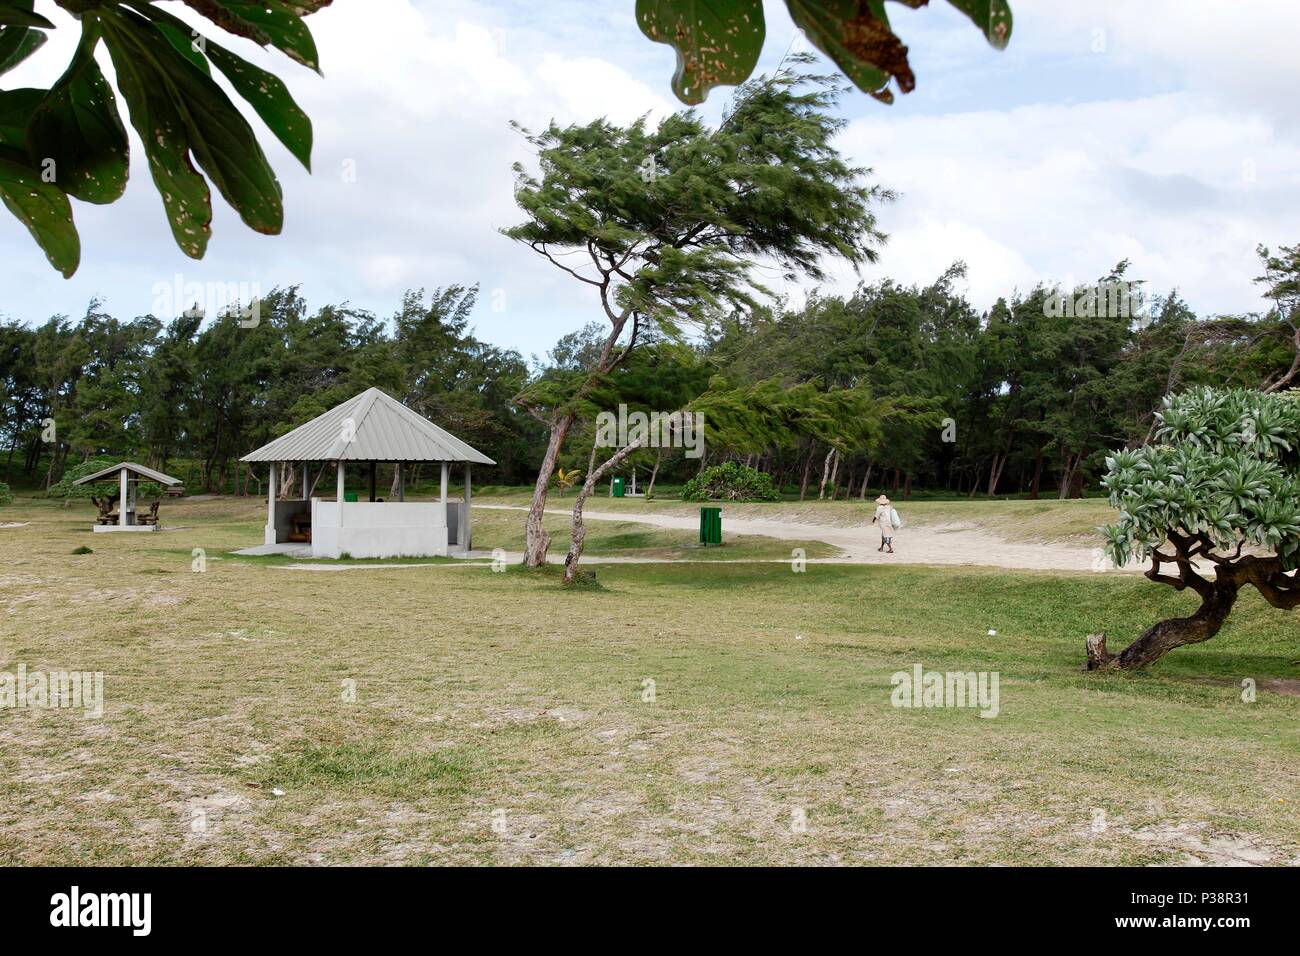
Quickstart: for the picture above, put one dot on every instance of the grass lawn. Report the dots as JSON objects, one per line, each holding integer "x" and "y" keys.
{"x": 500, "y": 719}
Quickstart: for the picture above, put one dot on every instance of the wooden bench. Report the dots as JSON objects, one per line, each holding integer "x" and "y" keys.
{"x": 150, "y": 518}
{"x": 175, "y": 491}
{"x": 301, "y": 528}
{"x": 106, "y": 513}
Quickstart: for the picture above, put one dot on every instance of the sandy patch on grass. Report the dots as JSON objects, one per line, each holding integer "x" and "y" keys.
{"x": 932, "y": 544}
{"x": 1203, "y": 847}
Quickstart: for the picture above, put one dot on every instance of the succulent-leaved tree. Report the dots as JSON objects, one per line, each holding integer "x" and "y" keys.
{"x": 666, "y": 224}
{"x": 68, "y": 141}
{"x": 1214, "y": 504}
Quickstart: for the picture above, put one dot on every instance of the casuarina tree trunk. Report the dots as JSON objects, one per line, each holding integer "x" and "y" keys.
{"x": 826, "y": 472}
{"x": 537, "y": 541}
{"x": 1037, "y": 485}
{"x": 1165, "y": 636}
{"x": 578, "y": 532}
{"x": 862, "y": 495}
{"x": 807, "y": 472}
{"x": 650, "y": 491}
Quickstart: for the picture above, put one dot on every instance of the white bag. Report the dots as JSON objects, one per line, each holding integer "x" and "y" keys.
{"x": 894, "y": 520}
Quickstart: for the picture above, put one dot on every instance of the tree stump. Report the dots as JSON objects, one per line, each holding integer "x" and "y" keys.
{"x": 1098, "y": 656}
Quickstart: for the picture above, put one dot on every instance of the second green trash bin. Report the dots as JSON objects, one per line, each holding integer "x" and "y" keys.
{"x": 710, "y": 526}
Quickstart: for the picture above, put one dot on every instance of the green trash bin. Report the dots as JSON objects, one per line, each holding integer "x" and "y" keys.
{"x": 349, "y": 496}
{"x": 618, "y": 488}
{"x": 710, "y": 526}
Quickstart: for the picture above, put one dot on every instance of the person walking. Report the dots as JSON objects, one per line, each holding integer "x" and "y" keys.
{"x": 885, "y": 516}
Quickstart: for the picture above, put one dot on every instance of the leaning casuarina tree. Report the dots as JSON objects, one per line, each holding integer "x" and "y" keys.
{"x": 1214, "y": 505}
{"x": 665, "y": 225}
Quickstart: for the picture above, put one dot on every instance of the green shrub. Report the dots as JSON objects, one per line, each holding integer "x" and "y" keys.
{"x": 6, "y": 496}
{"x": 82, "y": 550}
{"x": 65, "y": 489}
{"x": 730, "y": 482}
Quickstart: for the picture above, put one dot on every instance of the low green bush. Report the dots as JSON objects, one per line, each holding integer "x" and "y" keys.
{"x": 65, "y": 489}
{"x": 730, "y": 482}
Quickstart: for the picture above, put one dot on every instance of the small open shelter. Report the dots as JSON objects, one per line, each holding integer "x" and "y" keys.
{"x": 128, "y": 476}
{"x": 367, "y": 429}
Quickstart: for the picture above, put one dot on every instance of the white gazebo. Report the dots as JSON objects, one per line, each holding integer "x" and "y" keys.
{"x": 371, "y": 428}
{"x": 128, "y": 476}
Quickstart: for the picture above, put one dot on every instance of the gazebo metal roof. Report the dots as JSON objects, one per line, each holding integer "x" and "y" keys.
{"x": 382, "y": 429}
{"x": 130, "y": 466}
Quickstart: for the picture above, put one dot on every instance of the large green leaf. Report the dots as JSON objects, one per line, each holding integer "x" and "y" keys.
{"x": 17, "y": 44}
{"x": 717, "y": 41}
{"x": 78, "y": 127}
{"x": 858, "y": 38}
{"x": 17, "y": 16}
{"x": 42, "y": 207}
{"x": 162, "y": 130}
{"x": 991, "y": 16}
{"x": 271, "y": 99}
{"x": 183, "y": 38}
{"x": 16, "y": 108}
{"x": 282, "y": 24}
{"x": 265, "y": 91}
{"x": 227, "y": 19}
{"x": 305, "y": 7}
{"x": 216, "y": 132}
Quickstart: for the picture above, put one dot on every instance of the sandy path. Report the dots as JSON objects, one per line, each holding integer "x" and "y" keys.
{"x": 924, "y": 544}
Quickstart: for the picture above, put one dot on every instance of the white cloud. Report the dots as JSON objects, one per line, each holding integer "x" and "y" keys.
{"x": 590, "y": 87}
{"x": 1061, "y": 192}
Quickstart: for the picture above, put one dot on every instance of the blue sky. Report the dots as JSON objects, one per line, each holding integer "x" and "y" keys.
{"x": 1163, "y": 131}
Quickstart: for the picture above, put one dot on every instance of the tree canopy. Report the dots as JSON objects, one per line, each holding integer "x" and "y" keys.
{"x": 667, "y": 225}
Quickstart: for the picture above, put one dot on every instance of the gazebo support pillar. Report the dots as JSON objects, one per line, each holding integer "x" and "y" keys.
{"x": 401, "y": 481}
{"x": 374, "y": 469}
{"x": 339, "y": 494}
{"x": 121, "y": 499}
{"x": 468, "y": 536}
{"x": 270, "y": 506}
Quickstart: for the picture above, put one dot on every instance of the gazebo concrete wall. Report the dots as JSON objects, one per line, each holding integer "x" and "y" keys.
{"x": 378, "y": 529}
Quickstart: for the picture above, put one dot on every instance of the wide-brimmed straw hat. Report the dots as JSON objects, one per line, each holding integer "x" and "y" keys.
{"x": 882, "y": 500}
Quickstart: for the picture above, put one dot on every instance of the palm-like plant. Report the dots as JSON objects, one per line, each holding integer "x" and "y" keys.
{"x": 564, "y": 479}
